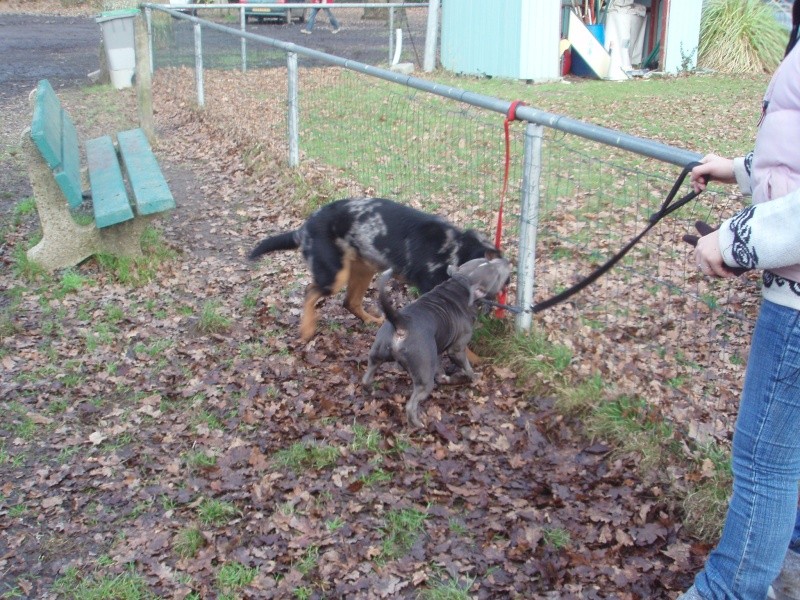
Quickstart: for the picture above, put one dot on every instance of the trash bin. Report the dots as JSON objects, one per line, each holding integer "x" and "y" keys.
{"x": 118, "y": 38}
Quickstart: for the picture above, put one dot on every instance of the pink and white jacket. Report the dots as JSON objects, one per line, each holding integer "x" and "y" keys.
{"x": 766, "y": 235}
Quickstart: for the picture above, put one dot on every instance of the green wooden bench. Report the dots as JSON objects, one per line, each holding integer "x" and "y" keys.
{"x": 122, "y": 205}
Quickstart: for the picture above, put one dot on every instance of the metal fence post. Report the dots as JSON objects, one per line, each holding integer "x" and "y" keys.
{"x": 242, "y": 21}
{"x": 528, "y": 222}
{"x": 431, "y": 36}
{"x": 148, "y": 15}
{"x": 198, "y": 64}
{"x": 293, "y": 112}
{"x": 391, "y": 34}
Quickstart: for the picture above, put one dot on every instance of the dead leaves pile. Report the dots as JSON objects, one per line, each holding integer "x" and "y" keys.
{"x": 125, "y": 418}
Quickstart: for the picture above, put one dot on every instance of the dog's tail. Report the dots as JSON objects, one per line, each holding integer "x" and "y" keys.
{"x": 386, "y": 305}
{"x": 283, "y": 241}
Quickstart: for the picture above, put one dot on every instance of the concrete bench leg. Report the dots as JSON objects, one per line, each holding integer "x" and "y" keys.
{"x": 64, "y": 242}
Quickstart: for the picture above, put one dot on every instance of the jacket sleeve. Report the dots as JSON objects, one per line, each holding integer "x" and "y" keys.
{"x": 741, "y": 169}
{"x": 763, "y": 236}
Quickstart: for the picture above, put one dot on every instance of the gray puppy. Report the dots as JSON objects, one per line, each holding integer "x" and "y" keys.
{"x": 439, "y": 321}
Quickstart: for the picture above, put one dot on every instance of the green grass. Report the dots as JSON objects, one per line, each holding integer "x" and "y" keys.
{"x": 740, "y": 36}
{"x": 447, "y": 588}
{"x": 530, "y": 355}
{"x": 124, "y": 586}
{"x": 232, "y": 577}
{"x": 633, "y": 426}
{"x": 628, "y": 424}
{"x": 331, "y": 124}
{"x": 307, "y": 455}
{"x": 401, "y": 529}
{"x": 365, "y": 439}
{"x": 212, "y": 319}
{"x": 22, "y": 209}
{"x": 376, "y": 477}
{"x": 139, "y": 271}
{"x": 188, "y": 542}
{"x": 216, "y": 512}
{"x": 706, "y": 503}
{"x": 200, "y": 460}
{"x": 24, "y": 268}
{"x": 557, "y": 538}
{"x": 308, "y": 561}
{"x": 331, "y": 525}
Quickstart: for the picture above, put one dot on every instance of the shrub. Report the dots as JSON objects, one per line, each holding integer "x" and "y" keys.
{"x": 740, "y": 36}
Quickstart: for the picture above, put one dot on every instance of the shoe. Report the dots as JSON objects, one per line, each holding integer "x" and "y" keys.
{"x": 306, "y": 31}
{"x": 336, "y": 30}
{"x": 690, "y": 594}
{"x": 787, "y": 585}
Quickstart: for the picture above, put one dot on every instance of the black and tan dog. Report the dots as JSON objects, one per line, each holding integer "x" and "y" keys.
{"x": 347, "y": 241}
{"x": 438, "y": 322}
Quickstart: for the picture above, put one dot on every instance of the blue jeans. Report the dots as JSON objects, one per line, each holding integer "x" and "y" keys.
{"x": 313, "y": 17}
{"x": 763, "y": 519}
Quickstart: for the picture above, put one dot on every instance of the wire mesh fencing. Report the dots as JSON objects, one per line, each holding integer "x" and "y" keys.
{"x": 652, "y": 325}
{"x": 365, "y": 37}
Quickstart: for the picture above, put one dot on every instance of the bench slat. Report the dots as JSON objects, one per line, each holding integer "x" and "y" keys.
{"x": 46, "y": 124}
{"x": 109, "y": 197}
{"x": 69, "y": 177}
{"x": 150, "y": 189}
{"x": 56, "y": 138}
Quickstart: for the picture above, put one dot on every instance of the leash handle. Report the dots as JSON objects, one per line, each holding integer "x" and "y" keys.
{"x": 667, "y": 207}
{"x": 511, "y": 115}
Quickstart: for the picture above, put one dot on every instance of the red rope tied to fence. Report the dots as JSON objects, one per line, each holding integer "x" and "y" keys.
{"x": 510, "y": 116}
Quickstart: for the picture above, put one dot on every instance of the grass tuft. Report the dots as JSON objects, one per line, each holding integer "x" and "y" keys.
{"x": 124, "y": 586}
{"x": 401, "y": 530}
{"x": 740, "y": 36}
{"x": 216, "y": 512}
{"x": 234, "y": 576}
{"x": 188, "y": 542}
{"x": 447, "y": 588}
{"x": 307, "y": 455}
{"x": 212, "y": 320}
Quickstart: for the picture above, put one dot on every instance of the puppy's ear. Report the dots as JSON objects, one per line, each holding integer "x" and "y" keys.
{"x": 474, "y": 293}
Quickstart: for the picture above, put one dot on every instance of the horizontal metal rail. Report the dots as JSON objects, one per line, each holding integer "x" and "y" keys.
{"x": 603, "y": 135}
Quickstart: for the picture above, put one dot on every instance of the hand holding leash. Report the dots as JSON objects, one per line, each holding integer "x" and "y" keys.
{"x": 706, "y": 267}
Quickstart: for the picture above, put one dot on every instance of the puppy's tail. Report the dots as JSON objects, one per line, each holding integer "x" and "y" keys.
{"x": 283, "y": 241}
{"x": 383, "y": 298}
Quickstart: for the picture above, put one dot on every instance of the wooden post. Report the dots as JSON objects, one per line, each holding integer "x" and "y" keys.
{"x": 144, "y": 79}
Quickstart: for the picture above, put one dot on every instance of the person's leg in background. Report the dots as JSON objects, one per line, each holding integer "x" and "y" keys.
{"x": 761, "y": 518}
{"x": 334, "y": 22}
{"x": 310, "y": 23}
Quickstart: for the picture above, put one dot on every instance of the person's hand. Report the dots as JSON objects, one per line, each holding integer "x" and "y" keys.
{"x": 704, "y": 263}
{"x": 712, "y": 167}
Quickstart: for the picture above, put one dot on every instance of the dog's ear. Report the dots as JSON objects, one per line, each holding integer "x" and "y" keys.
{"x": 475, "y": 293}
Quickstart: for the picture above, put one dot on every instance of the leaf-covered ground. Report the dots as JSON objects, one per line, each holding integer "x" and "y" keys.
{"x": 124, "y": 419}
{"x": 136, "y": 416}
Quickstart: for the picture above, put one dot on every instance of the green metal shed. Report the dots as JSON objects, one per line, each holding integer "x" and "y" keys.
{"x": 517, "y": 39}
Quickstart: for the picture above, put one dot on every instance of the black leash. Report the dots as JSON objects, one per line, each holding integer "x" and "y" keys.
{"x": 667, "y": 207}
